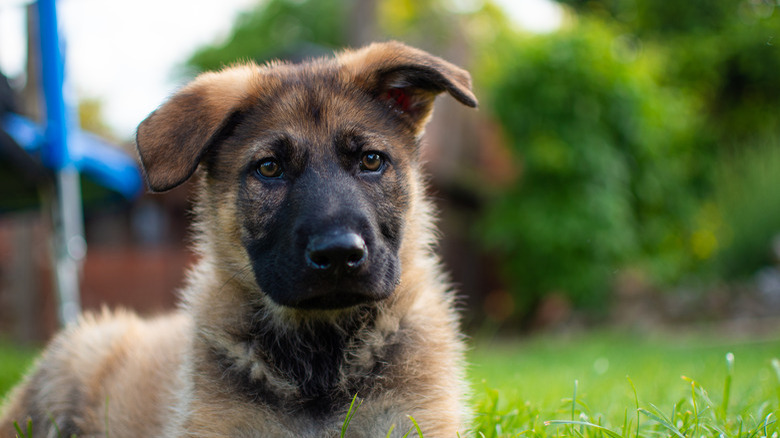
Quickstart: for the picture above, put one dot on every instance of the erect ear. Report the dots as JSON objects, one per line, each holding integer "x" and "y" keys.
{"x": 407, "y": 79}
{"x": 174, "y": 138}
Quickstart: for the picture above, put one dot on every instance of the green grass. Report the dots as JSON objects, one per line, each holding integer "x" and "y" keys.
{"x": 14, "y": 361}
{"x": 602, "y": 384}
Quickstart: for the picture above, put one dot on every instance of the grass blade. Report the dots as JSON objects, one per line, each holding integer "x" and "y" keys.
{"x": 20, "y": 432}
{"x": 767, "y": 423}
{"x": 574, "y": 400}
{"x": 695, "y": 407}
{"x": 603, "y": 429}
{"x": 406, "y": 435}
{"x": 724, "y": 407}
{"x": 763, "y": 425}
{"x": 636, "y": 403}
{"x": 350, "y": 414}
{"x": 56, "y": 427}
{"x": 663, "y": 421}
{"x": 416, "y": 426}
{"x": 776, "y": 367}
{"x": 18, "y": 429}
{"x": 625, "y": 424}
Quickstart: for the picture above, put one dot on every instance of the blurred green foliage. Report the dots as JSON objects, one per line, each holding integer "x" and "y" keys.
{"x": 608, "y": 164}
{"x": 727, "y": 51}
{"x": 646, "y": 132}
{"x": 747, "y": 200}
{"x": 279, "y": 29}
{"x": 297, "y": 29}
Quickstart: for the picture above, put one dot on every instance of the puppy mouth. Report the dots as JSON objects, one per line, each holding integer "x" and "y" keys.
{"x": 333, "y": 301}
{"x": 320, "y": 294}
{"x": 310, "y": 291}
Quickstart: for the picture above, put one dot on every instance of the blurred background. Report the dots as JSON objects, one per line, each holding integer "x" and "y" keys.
{"x": 623, "y": 168}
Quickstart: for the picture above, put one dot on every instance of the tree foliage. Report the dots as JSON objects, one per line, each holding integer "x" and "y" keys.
{"x": 279, "y": 29}
{"x": 607, "y": 164}
{"x": 726, "y": 50}
{"x": 628, "y": 125}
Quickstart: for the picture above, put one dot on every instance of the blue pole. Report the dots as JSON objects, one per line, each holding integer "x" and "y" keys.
{"x": 55, "y": 150}
{"x": 67, "y": 217}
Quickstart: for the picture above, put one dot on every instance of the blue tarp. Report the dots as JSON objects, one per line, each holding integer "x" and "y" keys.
{"x": 99, "y": 160}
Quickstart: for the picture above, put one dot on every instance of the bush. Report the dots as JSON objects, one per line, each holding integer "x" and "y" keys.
{"x": 606, "y": 158}
{"x": 278, "y": 29}
{"x": 724, "y": 50}
{"x": 748, "y": 209}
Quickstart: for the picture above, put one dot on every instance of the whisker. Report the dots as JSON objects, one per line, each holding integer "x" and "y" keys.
{"x": 238, "y": 275}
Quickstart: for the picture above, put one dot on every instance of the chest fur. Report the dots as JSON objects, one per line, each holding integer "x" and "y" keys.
{"x": 314, "y": 371}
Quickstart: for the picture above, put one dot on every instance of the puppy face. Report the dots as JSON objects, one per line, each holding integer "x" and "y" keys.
{"x": 321, "y": 171}
{"x": 307, "y": 166}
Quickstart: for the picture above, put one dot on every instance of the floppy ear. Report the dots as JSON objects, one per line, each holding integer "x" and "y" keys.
{"x": 174, "y": 138}
{"x": 407, "y": 79}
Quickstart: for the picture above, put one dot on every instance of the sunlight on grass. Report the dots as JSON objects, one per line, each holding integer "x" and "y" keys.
{"x": 605, "y": 384}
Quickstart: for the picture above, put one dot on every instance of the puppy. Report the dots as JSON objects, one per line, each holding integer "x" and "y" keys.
{"x": 316, "y": 281}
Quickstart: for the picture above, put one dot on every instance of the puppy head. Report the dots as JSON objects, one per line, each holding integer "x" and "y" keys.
{"x": 307, "y": 168}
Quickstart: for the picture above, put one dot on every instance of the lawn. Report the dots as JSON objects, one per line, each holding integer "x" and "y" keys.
{"x": 600, "y": 384}
{"x": 14, "y": 361}
{"x": 672, "y": 385}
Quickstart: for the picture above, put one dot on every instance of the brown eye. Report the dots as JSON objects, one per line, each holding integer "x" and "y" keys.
{"x": 371, "y": 161}
{"x": 269, "y": 168}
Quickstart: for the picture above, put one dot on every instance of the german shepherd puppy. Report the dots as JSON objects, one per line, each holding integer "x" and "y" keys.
{"x": 316, "y": 280}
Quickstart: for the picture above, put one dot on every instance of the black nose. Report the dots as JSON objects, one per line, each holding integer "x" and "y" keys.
{"x": 337, "y": 252}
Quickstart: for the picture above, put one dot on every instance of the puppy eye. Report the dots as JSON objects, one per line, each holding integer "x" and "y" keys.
{"x": 269, "y": 168}
{"x": 371, "y": 161}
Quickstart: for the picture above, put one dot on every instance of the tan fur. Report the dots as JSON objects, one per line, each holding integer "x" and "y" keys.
{"x": 115, "y": 374}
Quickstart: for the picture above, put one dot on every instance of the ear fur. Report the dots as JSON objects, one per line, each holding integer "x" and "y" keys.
{"x": 408, "y": 79}
{"x": 172, "y": 140}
